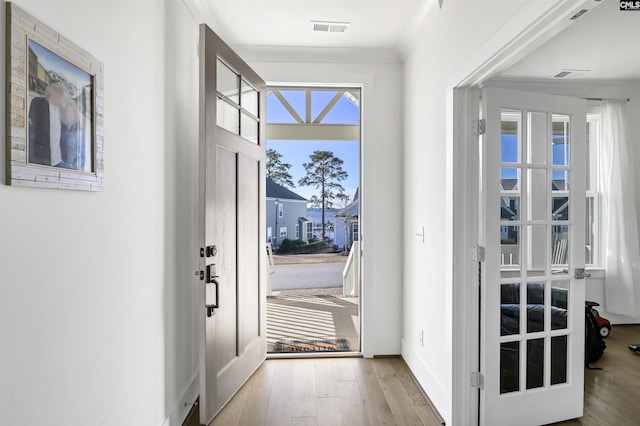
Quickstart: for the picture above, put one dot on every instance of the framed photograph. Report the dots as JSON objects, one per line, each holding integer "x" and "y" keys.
{"x": 55, "y": 135}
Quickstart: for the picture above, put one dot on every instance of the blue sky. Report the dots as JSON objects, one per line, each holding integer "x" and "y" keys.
{"x": 510, "y": 155}
{"x": 297, "y": 152}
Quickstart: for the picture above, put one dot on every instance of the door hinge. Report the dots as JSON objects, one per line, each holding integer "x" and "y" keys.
{"x": 477, "y": 380}
{"x": 479, "y": 127}
{"x": 477, "y": 253}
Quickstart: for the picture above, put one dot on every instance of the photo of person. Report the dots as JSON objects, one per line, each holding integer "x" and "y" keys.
{"x": 60, "y": 116}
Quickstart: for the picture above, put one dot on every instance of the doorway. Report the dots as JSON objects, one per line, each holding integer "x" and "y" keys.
{"x": 313, "y": 219}
{"x": 532, "y": 282}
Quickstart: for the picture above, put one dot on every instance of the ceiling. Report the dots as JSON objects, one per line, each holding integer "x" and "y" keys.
{"x": 374, "y": 23}
{"x": 604, "y": 40}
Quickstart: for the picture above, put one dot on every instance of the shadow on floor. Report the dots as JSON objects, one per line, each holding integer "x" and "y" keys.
{"x": 312, "y": 317}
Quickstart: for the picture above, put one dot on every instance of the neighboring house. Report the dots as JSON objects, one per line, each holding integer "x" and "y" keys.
{"x": 341, "y": 224}
{"x": 348, "y": 219}
{"x": 286, "y": 215}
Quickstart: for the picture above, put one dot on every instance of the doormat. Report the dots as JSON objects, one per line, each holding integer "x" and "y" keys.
{"x": 327, "y": 345}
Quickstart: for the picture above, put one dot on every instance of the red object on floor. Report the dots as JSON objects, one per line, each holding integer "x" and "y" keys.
{"x": 604, "y": 325}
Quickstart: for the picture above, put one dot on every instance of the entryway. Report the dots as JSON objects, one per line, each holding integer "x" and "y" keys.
{"x": 313, "y": 218}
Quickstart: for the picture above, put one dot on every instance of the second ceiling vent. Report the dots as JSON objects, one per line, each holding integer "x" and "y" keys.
{"x": 330, "y": 27}
{"x": 569, "y": 73}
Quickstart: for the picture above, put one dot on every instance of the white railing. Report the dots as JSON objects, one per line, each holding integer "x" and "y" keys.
{"x": 351, "y": 272}
{"x": 270, "y": 267}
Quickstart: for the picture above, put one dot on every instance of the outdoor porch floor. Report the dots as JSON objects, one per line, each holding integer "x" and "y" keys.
{"x": 312, "y": 316}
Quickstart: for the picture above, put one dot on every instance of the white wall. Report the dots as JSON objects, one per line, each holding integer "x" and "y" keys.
{"x": 381, "y": 189}
{"x": 97, "y": 319}
{"x": 597, "y": 89}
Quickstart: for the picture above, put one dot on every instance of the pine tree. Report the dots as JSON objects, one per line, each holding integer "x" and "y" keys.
{"x": 277, "y": 170}
{"x": 325, "y": 173}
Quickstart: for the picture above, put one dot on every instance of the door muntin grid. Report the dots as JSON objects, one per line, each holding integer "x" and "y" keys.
{"x": 535, "y": 226}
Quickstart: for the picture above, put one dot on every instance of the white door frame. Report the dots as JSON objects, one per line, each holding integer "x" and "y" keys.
{"x": 504, "y": 49}
{"x": 365, "y": 302}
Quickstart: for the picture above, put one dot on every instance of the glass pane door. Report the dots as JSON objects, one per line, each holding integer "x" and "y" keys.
{"x": 533, "y": 308}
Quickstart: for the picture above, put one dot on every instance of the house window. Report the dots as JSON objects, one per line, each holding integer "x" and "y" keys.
{"x": 280, "y": 210}
{"x": 297, "y": 231}
{"x": 355, "y": 231}
{"x": 309, "y": 230}
{"x": 592, "y": 224}
{"x": 283, "y": 231}
{"x": 269, "y": 234}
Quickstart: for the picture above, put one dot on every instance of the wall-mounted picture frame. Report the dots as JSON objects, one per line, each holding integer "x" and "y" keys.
{"x": 55, "y": 109}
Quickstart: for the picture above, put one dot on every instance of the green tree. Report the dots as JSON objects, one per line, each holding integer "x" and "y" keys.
{"x": 324, "y": 172}
{"x": 278, "y": 170}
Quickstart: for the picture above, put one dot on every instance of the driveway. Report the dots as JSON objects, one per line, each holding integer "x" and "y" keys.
{"x": 317, "y": 275}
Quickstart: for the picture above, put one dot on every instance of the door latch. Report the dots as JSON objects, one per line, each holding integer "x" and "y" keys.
{"x": 581, "y": 274}
{"x": 211, "y": 280}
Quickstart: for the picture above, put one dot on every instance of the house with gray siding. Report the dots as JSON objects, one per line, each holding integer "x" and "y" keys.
{"x": 286, "y": 215}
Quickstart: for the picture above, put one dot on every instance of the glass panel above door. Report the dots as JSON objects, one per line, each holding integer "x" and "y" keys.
{"x": 227, "y": 82}
{"x": 249, "y": 99}
{"x": 248, "y": 128}
{"x": 227, "y": 116}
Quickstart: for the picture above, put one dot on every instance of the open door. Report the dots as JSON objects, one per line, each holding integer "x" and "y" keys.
{"x": 232, "y": 258}
{"x": 533, "y": 294}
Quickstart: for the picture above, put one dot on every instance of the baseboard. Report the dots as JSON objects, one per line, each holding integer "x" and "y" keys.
{"x": 193, "y": 417}
{"x": 181, "y": 410}
{"x": 429, "y": 384}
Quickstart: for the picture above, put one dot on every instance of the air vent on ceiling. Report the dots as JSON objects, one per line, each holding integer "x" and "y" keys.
{"x": 330, "y": 27}
{"x": 579, "y": 14}
{"x": 568, "y": 74}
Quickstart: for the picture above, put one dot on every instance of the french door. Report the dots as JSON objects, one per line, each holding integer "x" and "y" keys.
{"x": 232, "y": 218}
{"x": 532, "y": 292}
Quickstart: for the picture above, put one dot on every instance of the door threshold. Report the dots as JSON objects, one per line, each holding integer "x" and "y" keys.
{"x": 298, "y": 355}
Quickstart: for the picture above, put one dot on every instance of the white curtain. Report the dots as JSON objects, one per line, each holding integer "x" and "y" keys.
{"x": 620, "y": 219}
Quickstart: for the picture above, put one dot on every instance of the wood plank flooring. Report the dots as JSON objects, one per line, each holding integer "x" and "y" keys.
{"x": 356, "y": 391}
{"x": 328, "y": 392}
{"x": 612, "y": 395}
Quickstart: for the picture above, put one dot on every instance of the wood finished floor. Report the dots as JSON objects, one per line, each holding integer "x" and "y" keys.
{"x": 612, "y": 395}
{"x": 355, "y": 391}
{"x": 329, "y": 391}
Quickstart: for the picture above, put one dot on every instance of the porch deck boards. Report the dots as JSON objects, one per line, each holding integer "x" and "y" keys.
{"x": 309, "y": 317}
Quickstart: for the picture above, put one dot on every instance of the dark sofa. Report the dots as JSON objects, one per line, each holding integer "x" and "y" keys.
{"x": 510, "y": 325}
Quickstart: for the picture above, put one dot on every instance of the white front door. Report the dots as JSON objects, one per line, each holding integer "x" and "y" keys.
{"x": 232, "y": 223}
{"x": 532, "y": 304}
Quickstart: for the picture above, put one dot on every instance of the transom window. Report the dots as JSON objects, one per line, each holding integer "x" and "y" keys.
{"x": 238, "y": 103}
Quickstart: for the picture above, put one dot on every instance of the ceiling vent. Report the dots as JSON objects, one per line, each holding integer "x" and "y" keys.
{"x": 330, "y": 27}
{"x": 569, "y": 74}
{"x": 579, "y": 14}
